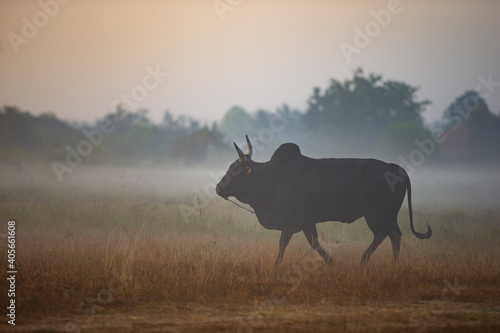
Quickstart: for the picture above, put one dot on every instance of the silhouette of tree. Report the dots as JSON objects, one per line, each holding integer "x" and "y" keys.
{"x": 358, "y": 110}
{"x": 235, "y": 122}
{"x": 484, "y": 135}
{"x": 198, "y": 146}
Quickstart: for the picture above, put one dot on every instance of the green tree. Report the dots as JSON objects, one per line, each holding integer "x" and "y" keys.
{"x": 484, "y": 136}
{"x": 199, "y": 146}
{"x": 399, "y": 140}
{"x": 236, "y": 123}
{"x": 360, "y": 109}
{"x": 28, "y": 138}
{"x": 466, "y": 108}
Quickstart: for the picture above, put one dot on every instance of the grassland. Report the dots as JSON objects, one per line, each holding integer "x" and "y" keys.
{"x": 110, "y": 250}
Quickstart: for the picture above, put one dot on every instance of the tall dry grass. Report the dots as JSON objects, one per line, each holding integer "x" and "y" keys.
{"x": 85, "y": 271}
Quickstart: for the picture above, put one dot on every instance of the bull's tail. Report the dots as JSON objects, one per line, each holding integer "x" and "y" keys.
{"x": 428, "y": 234}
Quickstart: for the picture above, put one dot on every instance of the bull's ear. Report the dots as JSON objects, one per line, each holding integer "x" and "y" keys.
{"x": 248, "y": 170}
{"x": 241, "y": 156}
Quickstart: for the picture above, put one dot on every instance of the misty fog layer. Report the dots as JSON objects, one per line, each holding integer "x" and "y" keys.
{"x": 432, "y": 188}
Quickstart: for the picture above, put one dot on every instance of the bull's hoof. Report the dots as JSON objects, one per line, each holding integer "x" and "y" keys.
{"x": 330, "y": 261}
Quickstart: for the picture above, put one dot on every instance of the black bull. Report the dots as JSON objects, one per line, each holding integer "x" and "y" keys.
{"x": 293, "y": 192}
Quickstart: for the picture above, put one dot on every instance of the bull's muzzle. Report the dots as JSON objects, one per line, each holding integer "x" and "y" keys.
{"x": 218, "y": 190}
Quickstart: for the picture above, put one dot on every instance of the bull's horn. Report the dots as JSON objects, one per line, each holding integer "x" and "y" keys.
{"x": 241, "y": 156}
{"x": 249, "y": 148}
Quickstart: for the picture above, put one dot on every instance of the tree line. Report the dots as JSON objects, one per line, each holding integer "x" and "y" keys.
{"x": 365, "y": 115}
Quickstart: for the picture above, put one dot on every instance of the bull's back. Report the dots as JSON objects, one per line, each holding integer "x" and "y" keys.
{"x": 338, "y": 189}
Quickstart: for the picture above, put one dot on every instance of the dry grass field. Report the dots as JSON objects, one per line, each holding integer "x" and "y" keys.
{"x": 109, "y": 250}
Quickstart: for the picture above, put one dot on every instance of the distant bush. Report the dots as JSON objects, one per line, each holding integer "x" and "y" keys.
{"x": 399, "y": 140}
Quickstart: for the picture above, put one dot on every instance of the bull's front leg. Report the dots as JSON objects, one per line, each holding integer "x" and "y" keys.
{"x": 312, "y": 237}
{"x": 284, "y": 240}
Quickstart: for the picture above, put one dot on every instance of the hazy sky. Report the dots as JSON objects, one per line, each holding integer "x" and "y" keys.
{"x": 82, "y": 56}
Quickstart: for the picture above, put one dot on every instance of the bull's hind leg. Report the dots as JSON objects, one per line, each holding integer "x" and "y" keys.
{"x": 284, "y": 240}
{"x": 395, "y": 237}
{"x": 312, "y": 237}
{"x": 383, "y": 226}
{"x": 378, "y": 238}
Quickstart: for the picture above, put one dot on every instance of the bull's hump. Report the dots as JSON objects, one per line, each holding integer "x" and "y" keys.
{"x": 286, "y": 152}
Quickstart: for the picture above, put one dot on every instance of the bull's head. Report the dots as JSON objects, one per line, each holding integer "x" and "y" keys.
{"x": 236, "y": 180}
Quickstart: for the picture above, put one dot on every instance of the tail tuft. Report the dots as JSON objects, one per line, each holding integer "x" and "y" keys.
{"x": 427, "y": 235}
